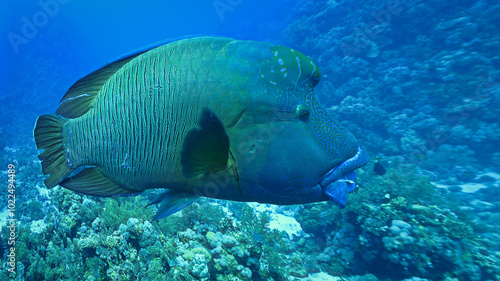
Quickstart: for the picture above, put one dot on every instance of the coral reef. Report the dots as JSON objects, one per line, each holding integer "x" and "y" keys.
{"x": 416, "y": 81}
{"x": 409, "y": 87}
{"x": 401, "y": 226}
{"x": 395, "y": 226}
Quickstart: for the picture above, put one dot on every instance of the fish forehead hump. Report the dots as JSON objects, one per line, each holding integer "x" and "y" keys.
{"x": 277, "y": 64}
{"x": 242, "y": 71}
{"x": 271, "y": 74}
{"x": 289, "y": 67}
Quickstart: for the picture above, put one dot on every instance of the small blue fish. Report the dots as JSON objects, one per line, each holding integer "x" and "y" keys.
{"x": 56, "y": 223}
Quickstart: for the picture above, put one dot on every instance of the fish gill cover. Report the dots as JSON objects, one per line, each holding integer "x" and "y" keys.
{"x": 416, "y": 83}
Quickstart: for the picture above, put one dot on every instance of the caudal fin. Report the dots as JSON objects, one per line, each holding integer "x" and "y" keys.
{"x": 48, "y": 136}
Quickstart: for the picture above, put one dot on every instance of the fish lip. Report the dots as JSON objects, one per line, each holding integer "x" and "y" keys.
{"x": 341, "y": 180}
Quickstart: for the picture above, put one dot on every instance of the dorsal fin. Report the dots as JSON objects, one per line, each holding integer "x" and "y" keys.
{"x": 78, "y": 99}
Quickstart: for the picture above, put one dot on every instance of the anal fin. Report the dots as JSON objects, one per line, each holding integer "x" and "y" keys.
{"x": 171, "y": 202}
{"x": 91, "y": 181}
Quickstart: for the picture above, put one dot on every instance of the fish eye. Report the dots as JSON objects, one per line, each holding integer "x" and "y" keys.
{"x": 303, "y": 112}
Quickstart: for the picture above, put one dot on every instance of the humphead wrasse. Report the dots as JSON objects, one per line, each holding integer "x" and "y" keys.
{"x": 208, "y": 116}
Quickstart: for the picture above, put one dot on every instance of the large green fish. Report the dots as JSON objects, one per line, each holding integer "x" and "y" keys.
{"x": 209, "y": 116}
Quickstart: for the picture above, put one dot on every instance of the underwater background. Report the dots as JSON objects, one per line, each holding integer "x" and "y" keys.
{"x": 417, "y": 82}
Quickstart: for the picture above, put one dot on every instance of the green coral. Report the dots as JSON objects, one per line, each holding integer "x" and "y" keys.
{"x": 319, "y": 218}
{"x": 190, "y": 254}
{"x": 210, "y": 235}
{"x": 34, "y": 209}
{"x": 403, "y": 182}
{"x": 111, "y": 241}
{"x": 90, "y": 242}
{"x": 118, "y": 210}
{"x": 457, "y": 229}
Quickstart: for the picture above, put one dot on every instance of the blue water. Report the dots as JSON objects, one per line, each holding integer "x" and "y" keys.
{"x": 417, "y": 83}
{"x": 70, "y": 39}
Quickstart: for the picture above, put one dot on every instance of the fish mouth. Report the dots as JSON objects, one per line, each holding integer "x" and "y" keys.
{"x": 341, "y": 180}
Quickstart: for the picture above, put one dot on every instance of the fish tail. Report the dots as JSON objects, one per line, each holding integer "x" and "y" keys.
{"x": 48, "y": 135}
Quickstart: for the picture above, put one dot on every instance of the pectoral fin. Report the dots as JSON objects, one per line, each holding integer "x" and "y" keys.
{"x": 171, "y": 202}
{"x": 205, "y": 149}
